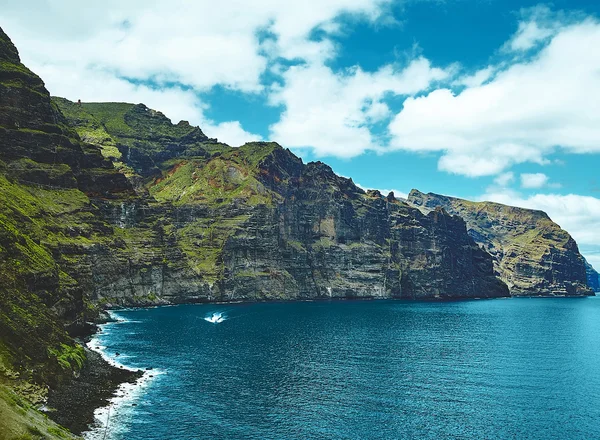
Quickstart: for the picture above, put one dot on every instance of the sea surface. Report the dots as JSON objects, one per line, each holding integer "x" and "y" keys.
{"x": 513, "y": 368}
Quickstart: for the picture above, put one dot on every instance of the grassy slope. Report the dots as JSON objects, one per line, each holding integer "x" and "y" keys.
{"x": 218, "y": 183}
{"x": 27, "y": 222}
{"x": 38, "y": 224}
{"x": 526, "y": 232}
{"x": 20, "y": 421}
{"x": 222, "y": 177}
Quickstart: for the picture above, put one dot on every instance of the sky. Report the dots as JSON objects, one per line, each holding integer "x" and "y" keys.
{"x": 481, "y": 99}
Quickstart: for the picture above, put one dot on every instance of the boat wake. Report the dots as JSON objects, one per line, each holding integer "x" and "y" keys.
{"x": 215, "y": 318}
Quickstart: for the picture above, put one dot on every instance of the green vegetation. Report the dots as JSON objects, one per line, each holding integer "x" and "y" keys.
{"x": 323, "y": 243}
{"x": 296, "y": 245}
{"x": 20, "y": 420}
{"x": 217, "y": 182}
{"x": 111, "y": 115}
{"x": 69, "y": 357}
{"x": 88, "y": 127}
{"x": 133, "y": 125}
{"x": 253, "y": 153}
{"x": 203, "y": 240}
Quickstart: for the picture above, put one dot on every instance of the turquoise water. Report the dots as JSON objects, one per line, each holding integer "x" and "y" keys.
{"x": 515, "y": 368}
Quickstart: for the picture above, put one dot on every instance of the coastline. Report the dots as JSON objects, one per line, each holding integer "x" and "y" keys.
{"x": 125, "y": 394}
{"x": 106, "y": 386}
{"x": 79, "y": 401}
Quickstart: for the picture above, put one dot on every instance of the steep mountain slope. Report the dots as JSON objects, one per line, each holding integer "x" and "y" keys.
{"x": 48, "y": 179}
{"x": 532, "y": 254}
{"x": 593, "y": 278}
{"x": 256, "y": 223}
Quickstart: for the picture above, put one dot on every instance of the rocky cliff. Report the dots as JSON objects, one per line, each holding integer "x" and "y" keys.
{"x": 255, "y": 223}
{"x": 593, "y": 278}
{"x": 532, "y": 254}
{"x": 49, "y": 181}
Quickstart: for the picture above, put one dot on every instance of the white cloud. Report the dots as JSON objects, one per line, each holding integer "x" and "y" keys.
{"x": 195, "y": 43}
{"x": 529, "y": 109}
{"x": 230, "y": 132}
{"x": 89, "y": 49}
{"x": 331, "y": 112}
{"x": 537, "y": 25}
{"x": 579, "y": 215}
{"x": 529, "y": 35}
{"x": 505, "y": 179}
{"x": 476, "y": 79}
{"x": 534, "y": 180}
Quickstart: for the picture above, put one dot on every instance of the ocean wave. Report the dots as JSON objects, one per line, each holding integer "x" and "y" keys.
{"x": 110, "y": 420}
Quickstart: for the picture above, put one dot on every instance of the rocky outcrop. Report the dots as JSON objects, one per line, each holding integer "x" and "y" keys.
{"x": 593, "y": 278}
{"x": 532, "y": 254}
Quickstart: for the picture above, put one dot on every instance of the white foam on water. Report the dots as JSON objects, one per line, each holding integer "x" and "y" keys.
{"x": 110, "y": 420}
{"x": 216, "y": 318}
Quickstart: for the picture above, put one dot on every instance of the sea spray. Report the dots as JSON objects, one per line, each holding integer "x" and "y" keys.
{"x": 110, "y": 419}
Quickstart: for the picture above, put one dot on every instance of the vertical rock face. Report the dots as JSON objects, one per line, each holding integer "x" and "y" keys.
{"x": 255, "y": 223}
{"x": 532, "y": 254}
{"x": 593, "y": 278}
{"x": 49, "y": 180}
{"x": 36, "y": 143}
{"x": 324, "y": 237}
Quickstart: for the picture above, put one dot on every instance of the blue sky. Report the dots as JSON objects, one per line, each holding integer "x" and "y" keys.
{"x": 482, "y": 99}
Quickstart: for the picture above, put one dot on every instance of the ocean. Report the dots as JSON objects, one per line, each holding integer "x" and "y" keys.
{"x": 510, "y": 368}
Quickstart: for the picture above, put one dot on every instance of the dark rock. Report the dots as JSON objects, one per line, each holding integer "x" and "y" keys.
{"x": 75, "y": 401}
{"x": 532, "y": 254}
{"x": 593, "y": 278}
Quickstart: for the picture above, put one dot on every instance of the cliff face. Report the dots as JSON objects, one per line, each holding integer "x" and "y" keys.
{"x": 593, "y": 278}
{"x": 532, "y": 254}
{"x": 254, "y": 223}
{"x": 49, "y": 180}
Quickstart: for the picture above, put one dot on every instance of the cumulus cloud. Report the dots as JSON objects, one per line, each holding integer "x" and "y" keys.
{"x": 537, "y": 24}
{"x": 332, "y": 113}
{"x": 166, "y": 53}
{"x": 534, "y": 180}
{"x": 230, "y": 132}
{"x": 531, "y": 107}
{"x": 505, "y": 179}
{"x": 476, "y": 79}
